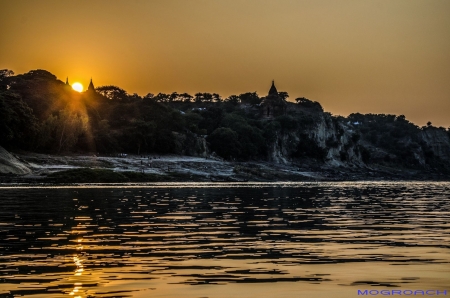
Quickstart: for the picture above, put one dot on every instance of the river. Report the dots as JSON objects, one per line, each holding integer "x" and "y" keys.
{"x": 225, "y": 239}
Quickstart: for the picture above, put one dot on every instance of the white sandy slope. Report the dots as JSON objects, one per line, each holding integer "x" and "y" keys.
{"x": 10, "y": 164}
{"x": 44, "y": 164}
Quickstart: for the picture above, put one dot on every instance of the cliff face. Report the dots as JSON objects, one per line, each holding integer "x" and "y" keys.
{"x": 11, "y": 165}
{"x": 438, "y": 141}
{"x": 331, "y": 142}
{"x": 338, "y": 142}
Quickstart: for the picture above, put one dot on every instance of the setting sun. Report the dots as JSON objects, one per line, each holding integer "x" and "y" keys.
{"x": 77, "y": 87}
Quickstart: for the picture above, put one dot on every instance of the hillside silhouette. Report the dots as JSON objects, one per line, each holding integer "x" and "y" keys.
{"x": 40, "y": 113}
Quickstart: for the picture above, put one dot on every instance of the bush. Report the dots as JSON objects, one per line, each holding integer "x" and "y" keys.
{"x": 225, "y": 142}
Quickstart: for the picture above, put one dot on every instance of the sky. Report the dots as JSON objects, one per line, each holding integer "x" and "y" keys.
{"x": 371, "y": 56}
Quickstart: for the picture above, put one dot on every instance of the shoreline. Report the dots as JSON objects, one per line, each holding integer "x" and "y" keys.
{"x": 194, "y": 184}
{"x": 178, "y": 168}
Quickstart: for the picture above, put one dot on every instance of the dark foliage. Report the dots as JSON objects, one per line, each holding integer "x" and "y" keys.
{"x": 393, "y": 134}
{"x": 18, "y": 125}
{"x": 308, "y": 104}
{"x": 39, "y": 112}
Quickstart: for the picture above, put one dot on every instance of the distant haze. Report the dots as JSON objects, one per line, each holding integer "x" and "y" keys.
{"x": 387, "y": 56}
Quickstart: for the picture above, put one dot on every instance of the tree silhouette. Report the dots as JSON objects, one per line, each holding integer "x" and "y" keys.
{"x": 283, "y": 95}
{"x": 185, "y": 97}
{"x": 112, "y": 93}
{"x": 250, "y": 98}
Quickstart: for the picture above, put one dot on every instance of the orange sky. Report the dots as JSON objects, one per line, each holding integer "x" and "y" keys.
{"x": 386, "y": 56}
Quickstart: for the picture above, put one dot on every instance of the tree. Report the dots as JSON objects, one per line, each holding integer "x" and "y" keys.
{"x": 162, "y": 97}
{"x": 211, "y": 119}
{"x": 225, "y": 142}
{"x": 185, "y": 97}
{"x": 198, "y": 97}
{"x": 400, "y": 118}
{"x": 307, "y": 103}
{"x": 143, "y": 135}
{"x": 4, "y": 75}
{"x": 149, "y": 96}
{"x": 135, "y": 97}
{"x": 283, "y": 95}
{"x": 18, "y": 125}
{"x": 173, "y": 97}
{"x": 233, "y": 99}
{"x": 61, "y": 131}
{"x": 207, "y": 97}
{"x": 69, "y": 128}
{"x": 192, "y": 120}
{"x": 250, "y": 137}
{"x": 164, "y": 141}
{"x": 202, "y": 97}
{"x": 41, "y": 91}
{"x": 216, "y": 97}
{"x": 105, "y": 141}
{"x": 250, "y": 98}
{"x": 112, "y": 93}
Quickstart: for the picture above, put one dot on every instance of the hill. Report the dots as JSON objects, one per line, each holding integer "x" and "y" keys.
{"x": 42, "y": 114}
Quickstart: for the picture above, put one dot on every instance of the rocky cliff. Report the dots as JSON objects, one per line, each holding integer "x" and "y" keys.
{"x": 328, "y": 141}
{"x": 374, "y": 140}
{"x": 11, "y": 165}
{"x": 438, "y": 141}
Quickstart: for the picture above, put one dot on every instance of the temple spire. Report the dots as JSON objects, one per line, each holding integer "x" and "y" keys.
{"x": 273, "y": 90}
{"x": 67, "y": 80}
{"x": 91, "y": 86}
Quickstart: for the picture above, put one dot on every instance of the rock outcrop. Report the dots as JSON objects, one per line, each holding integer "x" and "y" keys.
{"x": 332, "y": 142}
{"x": 11, "y": 165}
{"x": 438, "y": 141}
{"x": 319, "y": 139}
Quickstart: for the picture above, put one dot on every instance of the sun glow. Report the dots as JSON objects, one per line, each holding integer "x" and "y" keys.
{"x": 77, "y": 87}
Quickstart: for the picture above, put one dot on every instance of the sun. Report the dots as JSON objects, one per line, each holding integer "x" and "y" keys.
{"x": 77, "y": 87}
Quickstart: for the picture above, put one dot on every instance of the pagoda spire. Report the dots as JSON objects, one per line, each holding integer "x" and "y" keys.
{"x": 67, "y": 81}
{"x": 91, "y": 86}
{"x": 273, "y": 90}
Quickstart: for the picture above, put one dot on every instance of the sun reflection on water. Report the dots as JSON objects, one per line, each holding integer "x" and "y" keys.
{"x": 78, "y": 261}
{"x": 264, "y": 242}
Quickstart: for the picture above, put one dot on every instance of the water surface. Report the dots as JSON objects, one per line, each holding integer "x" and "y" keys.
{"x": 224, "y": 240}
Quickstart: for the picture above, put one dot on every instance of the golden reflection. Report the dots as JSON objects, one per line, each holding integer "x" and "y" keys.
{"x": 76, "y": 289}
{"x": 78, "y": 261}
{"x": 79, "y": 264}
{"x": 80, "y": 246}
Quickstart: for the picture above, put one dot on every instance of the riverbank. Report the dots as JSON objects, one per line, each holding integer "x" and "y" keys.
{"x": 46, "y": 168}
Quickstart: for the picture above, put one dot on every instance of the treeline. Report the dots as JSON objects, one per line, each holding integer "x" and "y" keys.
{"x": 40, "y": 113}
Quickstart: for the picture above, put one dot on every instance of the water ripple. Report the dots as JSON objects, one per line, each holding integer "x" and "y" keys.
{"x": 126, "y": 240}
